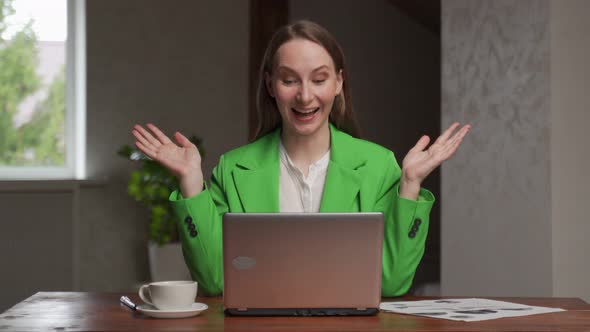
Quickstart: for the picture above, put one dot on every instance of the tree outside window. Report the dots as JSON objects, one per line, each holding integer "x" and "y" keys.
{"x": 32, "y": 92}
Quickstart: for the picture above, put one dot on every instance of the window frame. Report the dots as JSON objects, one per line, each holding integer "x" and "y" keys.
{"x": 75, "y": 117}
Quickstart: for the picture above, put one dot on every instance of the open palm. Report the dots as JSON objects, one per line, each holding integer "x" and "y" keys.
{"x": 180, "y": 158}
{"x": 419, "y": 162}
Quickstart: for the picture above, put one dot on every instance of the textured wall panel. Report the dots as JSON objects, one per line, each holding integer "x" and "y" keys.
{"x": 496, "y": 214}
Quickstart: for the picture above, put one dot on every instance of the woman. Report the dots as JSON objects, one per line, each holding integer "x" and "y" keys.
{"x": 306, "y": 157}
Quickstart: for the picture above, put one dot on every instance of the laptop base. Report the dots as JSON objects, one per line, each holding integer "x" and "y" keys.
{"x": 303, "y": 312}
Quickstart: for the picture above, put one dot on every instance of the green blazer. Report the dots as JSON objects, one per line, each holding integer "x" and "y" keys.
{"x": 361, "y": 177}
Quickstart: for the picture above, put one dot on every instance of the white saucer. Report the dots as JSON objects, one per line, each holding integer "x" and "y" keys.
{"x": 151, "y": 311}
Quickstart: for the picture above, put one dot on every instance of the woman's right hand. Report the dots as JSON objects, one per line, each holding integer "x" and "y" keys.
{"x": 183, "y": 160}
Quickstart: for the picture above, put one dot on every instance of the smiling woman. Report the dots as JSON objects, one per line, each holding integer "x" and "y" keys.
{"x": 306, "y": 157}
{"x": 304, "y": 64}
{"x": 304, "y": 85}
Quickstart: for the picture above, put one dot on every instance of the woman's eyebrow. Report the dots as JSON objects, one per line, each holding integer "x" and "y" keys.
{"x": 285, "y": 68}
{"x": 320, "y": 68}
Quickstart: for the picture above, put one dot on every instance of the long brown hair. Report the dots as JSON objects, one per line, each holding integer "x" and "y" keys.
{"x": 267, "y": 114}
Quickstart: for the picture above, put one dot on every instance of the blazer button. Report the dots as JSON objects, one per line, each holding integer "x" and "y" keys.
{"x": 412, "y": 234}
{"x": 188, "y": 220}
{"x": 194, "y": 233}
{"x": 191, "y": 227}
{"x": 417, "y": 222}
{"x": 415, "y": 228}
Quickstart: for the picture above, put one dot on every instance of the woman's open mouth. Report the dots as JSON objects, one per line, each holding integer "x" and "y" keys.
{"x": 305, "y": 115}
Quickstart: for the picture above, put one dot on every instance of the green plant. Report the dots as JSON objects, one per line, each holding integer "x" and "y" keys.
{"x": 151, "y": 184}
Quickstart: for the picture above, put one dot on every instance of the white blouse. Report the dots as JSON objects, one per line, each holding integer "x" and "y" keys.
{"x": 298, "y": 193}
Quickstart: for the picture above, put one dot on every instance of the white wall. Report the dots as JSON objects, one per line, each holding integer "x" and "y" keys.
{"x": 570, "y": 160}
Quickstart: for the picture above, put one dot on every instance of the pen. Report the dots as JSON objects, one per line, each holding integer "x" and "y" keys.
{"x": 127, "y": 302}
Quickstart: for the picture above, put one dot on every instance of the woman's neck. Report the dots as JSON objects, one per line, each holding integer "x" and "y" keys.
{"x": 305, "y": 150}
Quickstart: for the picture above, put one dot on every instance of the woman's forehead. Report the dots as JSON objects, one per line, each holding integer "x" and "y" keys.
{"x": 303, "y": 55}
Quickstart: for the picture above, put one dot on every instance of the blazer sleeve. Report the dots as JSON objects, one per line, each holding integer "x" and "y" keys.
{"x": 199, "y": 226}
{"x": 405, "y": 229}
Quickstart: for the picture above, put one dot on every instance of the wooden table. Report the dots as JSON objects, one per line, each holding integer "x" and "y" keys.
{"x": 101, "y": 312}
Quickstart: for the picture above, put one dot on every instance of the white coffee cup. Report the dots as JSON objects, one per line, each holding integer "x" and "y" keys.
{"x": 169, "y": 295}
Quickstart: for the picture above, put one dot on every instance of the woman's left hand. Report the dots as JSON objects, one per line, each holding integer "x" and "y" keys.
{"x": 419, "y": 162}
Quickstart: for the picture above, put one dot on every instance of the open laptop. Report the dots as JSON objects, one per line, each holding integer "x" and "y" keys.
{"x": 302, "y": 264}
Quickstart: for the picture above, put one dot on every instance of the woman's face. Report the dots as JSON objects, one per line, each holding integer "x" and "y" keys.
{"x": 304, "y": 84}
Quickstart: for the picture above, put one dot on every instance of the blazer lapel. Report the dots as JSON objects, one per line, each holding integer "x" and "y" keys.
{"x": 343, "y": 180}
{"x": 341, "y": 188}
{"x": 257, "y": 176}
{"x": 257, "y": 189}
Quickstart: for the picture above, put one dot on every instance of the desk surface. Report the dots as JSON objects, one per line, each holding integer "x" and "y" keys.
{"x": 101, "y": 312}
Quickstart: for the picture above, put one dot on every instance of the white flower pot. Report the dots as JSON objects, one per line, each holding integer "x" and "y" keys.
{"x": 167, "y": 263}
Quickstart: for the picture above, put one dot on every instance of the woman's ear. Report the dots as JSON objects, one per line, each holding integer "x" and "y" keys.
{"x": 268, "y": 83}
{"x": 339, "y": 82}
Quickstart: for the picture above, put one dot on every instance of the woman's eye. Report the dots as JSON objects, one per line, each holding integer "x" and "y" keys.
{"x": 320, "y": 81}
{"x": 288, "y": 81}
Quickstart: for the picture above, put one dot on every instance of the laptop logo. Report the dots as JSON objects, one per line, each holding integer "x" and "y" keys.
{"x": 243, "y": 263}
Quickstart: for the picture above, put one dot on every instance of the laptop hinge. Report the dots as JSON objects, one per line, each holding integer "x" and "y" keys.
{"x": 361, "y": 309}
{"x": 242, "y": 309}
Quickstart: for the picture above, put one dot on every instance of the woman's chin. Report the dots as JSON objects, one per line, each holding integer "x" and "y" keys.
{"x": 305, "y": 129}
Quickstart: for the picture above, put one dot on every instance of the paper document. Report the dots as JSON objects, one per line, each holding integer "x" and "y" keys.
{"x": 468, "y": 310}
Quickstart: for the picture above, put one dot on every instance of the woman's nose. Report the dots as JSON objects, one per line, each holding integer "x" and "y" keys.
{"x": 305, "y": 94}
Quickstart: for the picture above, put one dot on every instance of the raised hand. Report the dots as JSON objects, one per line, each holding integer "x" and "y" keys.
{"x": 182, "y": 159}
{"x": 420, "y": 162}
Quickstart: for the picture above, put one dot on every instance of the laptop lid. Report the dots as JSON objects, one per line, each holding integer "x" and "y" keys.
{"x": 302, "y": 260}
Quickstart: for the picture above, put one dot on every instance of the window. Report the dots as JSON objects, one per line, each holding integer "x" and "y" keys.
{"x": 42, "y": 89}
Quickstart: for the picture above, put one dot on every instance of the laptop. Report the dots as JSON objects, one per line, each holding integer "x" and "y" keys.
{"x": 302, "y": 264}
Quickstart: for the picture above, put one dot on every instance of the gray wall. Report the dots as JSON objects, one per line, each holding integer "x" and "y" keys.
{"x": 395, "y": 80}
{"x": 514, "y": 220}
{"x": 182, "y": 66}
{"x": 570, "y": 161}
{"x": 496, "y": 233}
{"x": 35, "y": 242}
